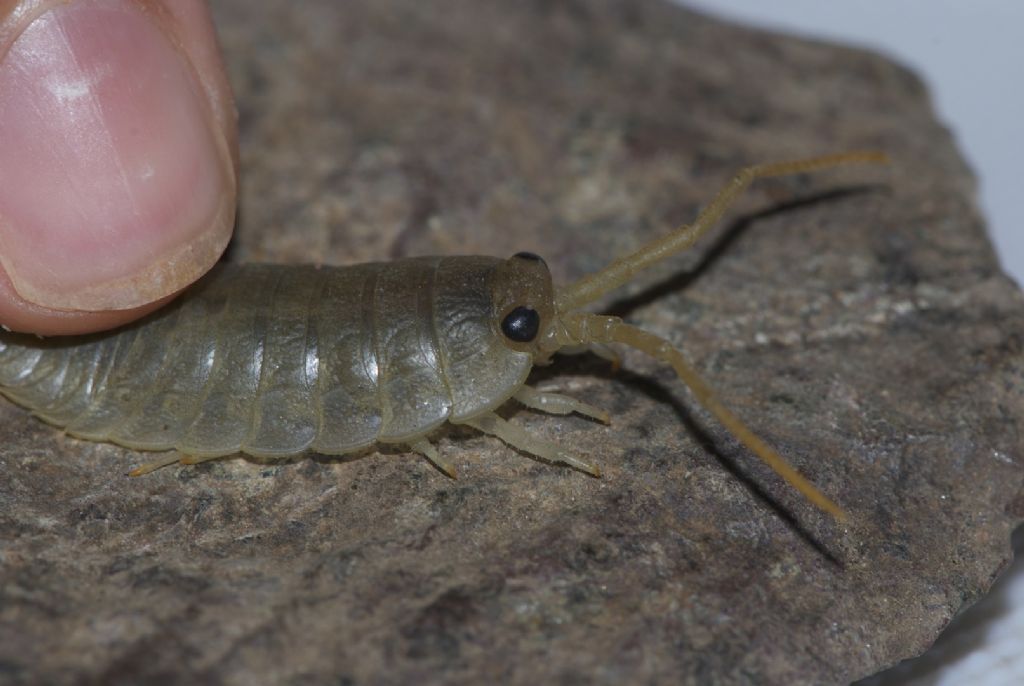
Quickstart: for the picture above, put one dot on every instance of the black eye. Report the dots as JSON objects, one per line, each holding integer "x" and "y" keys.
{"x": 521, "y": 324}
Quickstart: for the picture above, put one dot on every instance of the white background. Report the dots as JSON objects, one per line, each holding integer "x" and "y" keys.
{"x": 971, "y": 53}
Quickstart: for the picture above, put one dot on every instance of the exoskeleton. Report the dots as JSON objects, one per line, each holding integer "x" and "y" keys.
{"x": 274, "y": 360}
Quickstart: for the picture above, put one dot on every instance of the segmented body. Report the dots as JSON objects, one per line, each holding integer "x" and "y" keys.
{"x": 274, "y": 360}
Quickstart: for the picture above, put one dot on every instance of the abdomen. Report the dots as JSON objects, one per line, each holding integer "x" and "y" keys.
{"x": 263, "y": 359}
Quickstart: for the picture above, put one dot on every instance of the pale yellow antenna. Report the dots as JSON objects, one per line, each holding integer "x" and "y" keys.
{"x": 621, "y": 271}
{"x": 591, "y": 328}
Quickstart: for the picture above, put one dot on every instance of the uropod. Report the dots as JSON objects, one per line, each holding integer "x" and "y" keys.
{"x": 275, "y": 360}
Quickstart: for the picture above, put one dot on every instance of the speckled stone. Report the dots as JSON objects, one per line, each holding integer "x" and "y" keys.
{"x": 858, "y": 320}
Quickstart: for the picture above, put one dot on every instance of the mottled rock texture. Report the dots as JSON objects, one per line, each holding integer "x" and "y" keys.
{"x": 858, "y": 320}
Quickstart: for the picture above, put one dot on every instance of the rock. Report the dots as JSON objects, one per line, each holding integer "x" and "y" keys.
{"x": 858, "y": 320}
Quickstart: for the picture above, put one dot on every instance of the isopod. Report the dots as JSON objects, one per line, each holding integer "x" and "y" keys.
{"x": 275, "y": 360}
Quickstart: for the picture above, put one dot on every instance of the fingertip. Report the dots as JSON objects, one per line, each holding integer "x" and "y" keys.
{"x": 19, "y": 315}
{"x": 118, "y": 179}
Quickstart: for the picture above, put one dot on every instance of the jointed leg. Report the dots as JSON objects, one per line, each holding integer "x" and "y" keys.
{"x": 427, "y": 450}
{"x": 197, "y": 459}
{"x": 167, "y": 461}
{"x": 516, "y": 437}
{"x": 555, "y": 403}
{"x": 144, "y": 469}
{"x": 612, "y": 329}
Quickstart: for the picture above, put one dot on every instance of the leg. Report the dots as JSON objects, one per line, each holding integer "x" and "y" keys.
{"x": 516, "y": 437}
{"x": 555, "y": 403}
{"x": 156, "y": 464}
{"x": 427, "y": 450}
{"x": 177, "y": 457}
{"x": 612, "y": 329}
{"x": 195, "y": 459}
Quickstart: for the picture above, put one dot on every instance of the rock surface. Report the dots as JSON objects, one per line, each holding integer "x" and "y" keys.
{"x": 858, "y": 320}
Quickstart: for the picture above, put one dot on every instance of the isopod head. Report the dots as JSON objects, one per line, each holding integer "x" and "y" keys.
{"x": 524, "y": 303}
{"x": 531, "y": 317}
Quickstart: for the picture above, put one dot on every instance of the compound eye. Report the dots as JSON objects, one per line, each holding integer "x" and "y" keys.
{"x": 521, "y": 324}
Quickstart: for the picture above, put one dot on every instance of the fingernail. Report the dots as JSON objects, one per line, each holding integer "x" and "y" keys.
{"x": 116, "y": 188}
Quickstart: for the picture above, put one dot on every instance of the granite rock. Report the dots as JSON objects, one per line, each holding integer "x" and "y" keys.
{"x": 858, "y": 320}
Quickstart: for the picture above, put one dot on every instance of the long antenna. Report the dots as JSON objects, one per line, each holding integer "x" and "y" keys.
{"x": 593, "y": 286}
{"x": 604, "y": 329}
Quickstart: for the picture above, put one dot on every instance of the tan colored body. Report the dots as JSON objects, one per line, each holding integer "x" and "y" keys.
{"x": 273, "y": 361}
